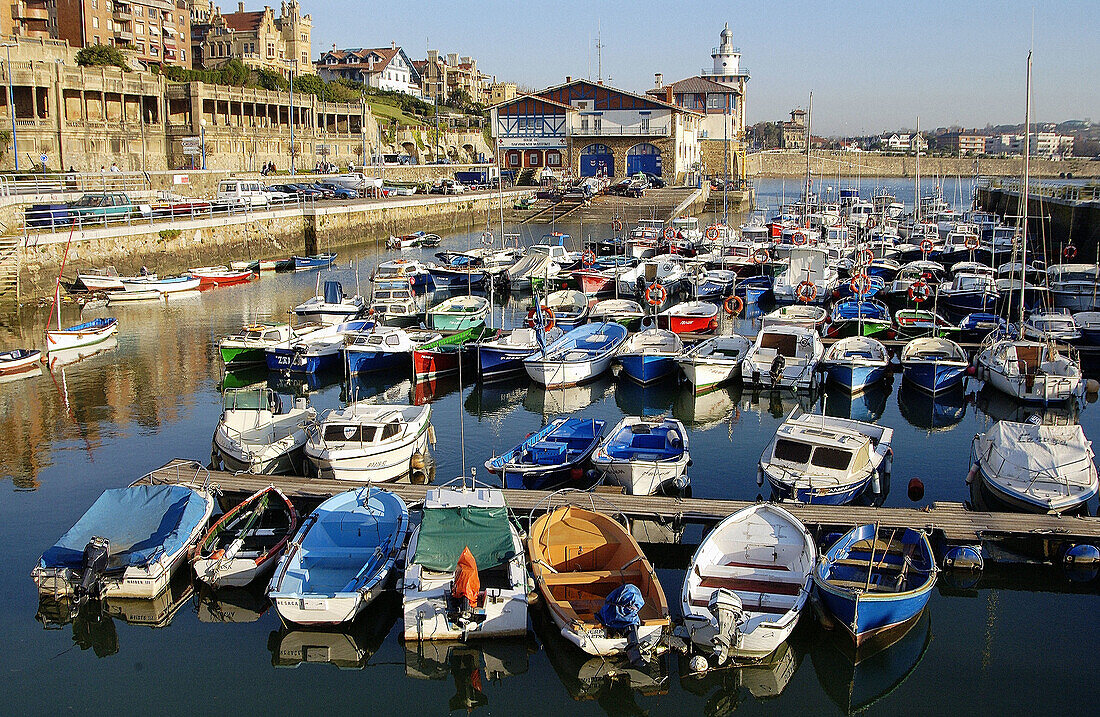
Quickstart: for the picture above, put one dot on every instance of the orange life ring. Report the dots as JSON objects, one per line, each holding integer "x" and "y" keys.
{"x": 733, "y": 305}
{"x": 761, "y": 256}
{"x": 860, "y": 284}
{"x": 670, "y": 233}
{"x": 588, "y": 258}
{"x": 658, "y": 298}
{"x": 866, "y": 256}
{"x": 926, "y": 245}
{"x": 971, "y": 242}
{"x": 712, "y": 232}
{"x": 919, "y": 291}
{"x": 548, "y": 314}
{"x": 617, "y": 225}
{"x": 806, "y": 291}
{"x": 799, "y": 238}
{"x": 871, "y": 222}
{"x": 1070, "y": 252}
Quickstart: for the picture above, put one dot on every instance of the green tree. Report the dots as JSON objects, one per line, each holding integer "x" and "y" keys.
{"x": 236, "y": 73}
{"x": 96, "y": 55}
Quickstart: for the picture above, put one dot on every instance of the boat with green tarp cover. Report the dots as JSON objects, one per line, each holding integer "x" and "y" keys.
{"x": 467, "y": 574}
{"x": 441, "y": 357}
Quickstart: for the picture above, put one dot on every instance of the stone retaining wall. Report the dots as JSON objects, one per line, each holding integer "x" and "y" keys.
{"x": 869, "y": 164}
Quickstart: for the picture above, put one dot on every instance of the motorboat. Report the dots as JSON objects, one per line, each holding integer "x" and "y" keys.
{"x": 970, "y": 292}
{"x": 395, "y": 303}
{"x": 330, "y": 307}
{"x": 541, "y": 262}
{"x": 601, "y": 591}
{"x": 341, "y": 558}
{"x": 466, "y": 575}
{"x": 1088, "y": 322}
{"x": 810, "y": 317}
{"x": 784, "y": 357}
{"x": 88, "y": 333}
{"x": 826, "y": 460}
{"x": 368, "y": 442}
{"x": 458, "y": 272}
{"x": 1057, "y": 326}
{"x": 211, "y": 276}
{"x": 1035, "y": 468}
{"x": 446, "y": 355}
{"x": 860, "y": 317}
{"x": 667, "y": 273}
{"x": 1074, "y": 286}
{"x": 415, "y": 240}
{"x": 644, "y": 455}
{"x": 565, "y": 308}
{"x": 713, "y": 284}
{"x": 808, "y": 277}
{"x": 501, "y": 356}
{"x": 855, "y": 363}
{"x": 580, "y": 355}
{"x": 383, "y": 348}
{"x": 107, "y": 279}
{"x": 315, "y": 352}
{"x": 246, "y": 541}
{"x": 313, "y": 261}
{"x": 649, "y": 355}
{"x": 128, "y": 543}
{"x": 410, "y": 272}
{"x": 748, "y": 583}
{"x": 19, "y": 360}
{"x": 551, "y": 458}
{"x": 875, "y": 581}
{"x": 977, "y": 327}
{"x": 918, "y": 323}
{"x": 698, "y": 317}
{"x": 627, "y": 312}
{"x": 1031, "y": 371}
{"x": 458, "y": 313}
{"x": 249, "y": 345}
{"x": 255, "y": 434}
{"x": 934, "y": 364}
{"x": 714, "y": 361}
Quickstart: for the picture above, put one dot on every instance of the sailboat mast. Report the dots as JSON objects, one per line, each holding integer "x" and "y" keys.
{"x": 916, "y": 178}
{"x": 806, "y": 196}
{"x": 1024, "y": 193}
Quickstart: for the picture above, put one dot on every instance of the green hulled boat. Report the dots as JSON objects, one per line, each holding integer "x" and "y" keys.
{"x": 458, "y": 313}
{"x": 248, "y": 346}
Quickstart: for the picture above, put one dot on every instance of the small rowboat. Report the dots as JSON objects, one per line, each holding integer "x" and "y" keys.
{"x": 441, "y": 357}
{"x": 19, "y": 360}
{"x": 210, "y": 276}
{"x": 690, "y": 317}
{"x": 170, "y": 285}
{"x": 550, "y": 458}
{"x": 314, "y": 261}
{"x": 247, "y": 541}
{"x": 86, "y": 334}
{"x": 128, "y": 297}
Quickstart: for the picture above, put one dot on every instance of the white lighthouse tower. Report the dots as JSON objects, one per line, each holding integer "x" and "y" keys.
{"x": 727, "y": 60}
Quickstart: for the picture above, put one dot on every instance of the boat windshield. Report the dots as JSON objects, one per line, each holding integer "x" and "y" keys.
{"x": 790, "y": 451}
{"x": 245, "y": 399}
{"x": 340, "y": 432}
{"x": 836, "y": 459}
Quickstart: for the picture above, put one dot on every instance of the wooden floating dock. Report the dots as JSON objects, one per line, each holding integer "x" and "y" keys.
{"x": 948, "y": 523}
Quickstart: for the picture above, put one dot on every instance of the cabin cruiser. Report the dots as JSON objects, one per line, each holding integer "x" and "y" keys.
{"x": 395, "y": 303}
{"x": 1057, "y": 326}
{"x": 784, "y": 357}
{"x": 808, "y": 278}
{"x": 256, "y": 435}
{"x": 331, "y": 307}
{"x": 368, "y": 443}
{"x": 1075, "y": 286}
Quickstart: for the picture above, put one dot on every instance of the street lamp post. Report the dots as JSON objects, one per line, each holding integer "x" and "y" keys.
{"x": 293, "y": 71}
{"x": 202, "y": 140}
{"x": 11, "y": 105}
{"x": 363, "y": 129}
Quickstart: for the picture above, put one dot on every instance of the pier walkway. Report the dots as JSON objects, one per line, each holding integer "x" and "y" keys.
{"x": 948, "y": 523}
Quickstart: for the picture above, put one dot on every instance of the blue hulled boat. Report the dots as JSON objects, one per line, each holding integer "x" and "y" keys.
{"x": 383, "y": 348}
{"x": 458, "y": 271}
{"x": 876, "y": 580}
{"x": 551, "y": 458}
{"x": 859, "y": 317}
{"x": 976, "y": 326}
{"x": 650, "y": 355}
{"x": 314, "y": 261}
{"x": 970, "y": 292}
{"x": 502, "y": 356}
{"x": 934, "y": 364}
{"x": 318, "y": 351}
{"x": 856, "y": 362}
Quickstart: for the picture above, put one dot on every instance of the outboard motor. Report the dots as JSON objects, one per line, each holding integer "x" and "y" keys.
{"x": 620, "y": 615}
{"x": 93, "y": 567}
{"x": 726, "y": 607}
{"x": 776, "y": 371}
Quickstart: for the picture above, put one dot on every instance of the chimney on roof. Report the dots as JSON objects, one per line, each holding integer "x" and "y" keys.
{"x": 668, "y": 94}
{"x": 393, "y": 44}
{"x": 334, "y": 47}
{"x": 240, "y": 7}
{"x": 659, "y": 79}
{"x": 568, "y": 78}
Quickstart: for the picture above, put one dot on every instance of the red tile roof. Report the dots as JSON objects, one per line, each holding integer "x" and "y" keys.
{"x": 244, "y": 21}
{"x": 693, "y": 85}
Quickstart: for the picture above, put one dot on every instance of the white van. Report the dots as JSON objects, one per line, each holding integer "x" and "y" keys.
{"x": 242, "y": 192}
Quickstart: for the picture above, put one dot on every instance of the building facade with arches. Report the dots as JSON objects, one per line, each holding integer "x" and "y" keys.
{"x": 586, "y": 129}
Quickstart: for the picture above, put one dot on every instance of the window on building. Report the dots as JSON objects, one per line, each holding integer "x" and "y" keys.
{"x": 95, "y": 21}
{"x": 141, "y": 28}
{"x": 154, "y": 50}
{"x": 714, "y": 102}
{"x": 95, "y": 4}
{"x": 271, "y": 49}
{"x": 138, "y": 11}
{"x": 645, "y": 124}
{"x": 513, "y": 159}
{"x": 584, "y": 124}
{"x": 597, "y": 124}
{"x": 183, "y": 55}
{"x": 553, "y": 158}
{"x": 96, "y": 40}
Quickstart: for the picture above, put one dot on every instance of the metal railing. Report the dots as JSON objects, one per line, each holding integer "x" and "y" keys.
{"x": 619, "y": 131}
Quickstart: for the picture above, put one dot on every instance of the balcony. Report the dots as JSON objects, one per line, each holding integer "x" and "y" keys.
{"x": 742, "y": 71}
{"x": 125, "y": 35}
{"x": 25, "y": 11}
{"x": 618, "y": 131}
{"x": 123, "y": 13}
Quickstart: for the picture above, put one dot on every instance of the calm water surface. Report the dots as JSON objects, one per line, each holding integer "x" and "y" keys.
{"x": 1018, "y": 640}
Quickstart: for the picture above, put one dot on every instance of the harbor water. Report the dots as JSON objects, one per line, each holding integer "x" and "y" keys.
{"x": 1006, "y": 643}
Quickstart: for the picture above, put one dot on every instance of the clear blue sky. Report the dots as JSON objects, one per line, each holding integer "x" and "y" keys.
{"x": 871, "y": 65}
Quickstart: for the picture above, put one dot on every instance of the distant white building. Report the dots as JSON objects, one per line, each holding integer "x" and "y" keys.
{"x": 387, "y": 68}
{"x": 1049, "y": 145}
{"x": 902, "y": 142}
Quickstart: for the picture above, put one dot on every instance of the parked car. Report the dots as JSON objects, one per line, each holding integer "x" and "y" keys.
{"x": 242, "y": 192}
{"x": 279, "y": 196}
{"x": 625, "y": 188}
{"x": 655, "y": 181}
{"x": 451, "y": 186}
{"x": 338, "y": 191}
{"x": 640, "y": 180}
{"x": 104, "y": 205}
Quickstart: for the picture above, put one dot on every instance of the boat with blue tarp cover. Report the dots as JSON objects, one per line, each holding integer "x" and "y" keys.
{"x": 127, "y": 544}
{"x": 88, "y": 333}
{"x": 341, "y": 557}
{"x": 874, "y": 581}
{"x": 550, "y": 458}
{"x": 859, "y": 317}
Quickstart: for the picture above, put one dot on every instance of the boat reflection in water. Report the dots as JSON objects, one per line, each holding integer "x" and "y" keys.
{"x": 613, "y": 682}
{"x": 941, "y": 412}
{"x": 653, "y": 399}
{"x": 348, "y": 647}
{"x": 232, "y": 604}
{"x": 856, "y": 679}
{"x": 724, "y": 688}
{"x": 254, "y": 376}
{"x": 1002, "y": 407}
{"x": 707, "y": 410}
{"x": 777, "y": 403}
{"x": 867, "y": 406}
{"x": 376, "y": 386}
{"x": 498, "y": 398}
{"x": 426, "y": 391}
{"x": 471, "y": 665}
{"x": 301, "y": 384}
{"x": 543, "y": 401}
{"x": 67, "y": 357}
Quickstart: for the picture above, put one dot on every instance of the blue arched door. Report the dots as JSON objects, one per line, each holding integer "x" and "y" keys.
{"x": 643, "y": 158}
{"x": 597, "y": 160}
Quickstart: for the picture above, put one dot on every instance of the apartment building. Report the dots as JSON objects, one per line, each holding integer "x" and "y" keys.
{"x": 260, "y": 39}
{"x": 156, "y": 32}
